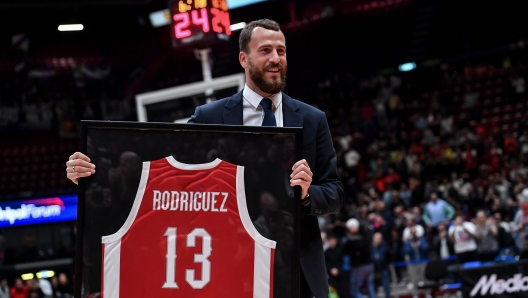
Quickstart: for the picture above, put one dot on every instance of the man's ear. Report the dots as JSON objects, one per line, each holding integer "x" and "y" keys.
{"x": 243, "y": 59}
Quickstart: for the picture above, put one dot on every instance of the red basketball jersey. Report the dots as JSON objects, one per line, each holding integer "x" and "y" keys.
{"x": 188, "y": 235}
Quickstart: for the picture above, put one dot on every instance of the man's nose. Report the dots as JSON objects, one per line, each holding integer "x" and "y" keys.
{"x": 274, "y": 57}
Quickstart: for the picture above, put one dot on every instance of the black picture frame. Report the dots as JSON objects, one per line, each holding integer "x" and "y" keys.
{"x": 252, "y": 147}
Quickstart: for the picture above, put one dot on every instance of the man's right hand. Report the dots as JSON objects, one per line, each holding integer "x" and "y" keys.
{"x": 79, "y": 166}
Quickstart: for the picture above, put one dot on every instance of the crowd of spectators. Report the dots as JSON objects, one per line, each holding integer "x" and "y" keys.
{"x": 55, "y": 287}
{"x": 427, "y": 172}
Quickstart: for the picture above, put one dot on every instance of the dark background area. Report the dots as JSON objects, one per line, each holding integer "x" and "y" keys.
{"x": 343, "y": 58}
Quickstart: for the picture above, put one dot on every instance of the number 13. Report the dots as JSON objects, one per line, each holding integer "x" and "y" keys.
{"x": 170, "y": 276}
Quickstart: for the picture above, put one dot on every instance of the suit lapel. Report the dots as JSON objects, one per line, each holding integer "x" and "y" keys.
{"x": 234, "y": 114}
{"x": 289, "y": 112}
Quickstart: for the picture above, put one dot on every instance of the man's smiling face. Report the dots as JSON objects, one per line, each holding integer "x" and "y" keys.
{"x": 266, "y": 61}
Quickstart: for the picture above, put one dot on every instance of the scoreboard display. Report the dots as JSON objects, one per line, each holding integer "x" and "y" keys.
{"x": 199, "y": 22}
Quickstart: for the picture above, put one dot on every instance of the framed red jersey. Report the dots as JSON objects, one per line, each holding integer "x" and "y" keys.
{"x": 192, "y": 230}
{"x": 182, "y": 210}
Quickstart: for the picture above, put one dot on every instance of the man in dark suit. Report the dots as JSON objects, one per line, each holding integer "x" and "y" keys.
{"x": 263, "y": 57}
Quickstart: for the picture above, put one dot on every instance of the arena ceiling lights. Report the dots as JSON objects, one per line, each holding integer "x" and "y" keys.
{"x": 407, "y": 66}
{"x": 71, "y": 27}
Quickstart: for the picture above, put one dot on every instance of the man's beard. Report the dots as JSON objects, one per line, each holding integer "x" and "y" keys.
{"x": 274, "y": 86}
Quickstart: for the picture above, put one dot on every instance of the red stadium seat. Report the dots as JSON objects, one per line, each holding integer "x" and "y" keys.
{"x": 499, "y": 91}
{"x": 487, "y": 102}
{"x": 498, "y": 100}
{"x": 496, "y": 111}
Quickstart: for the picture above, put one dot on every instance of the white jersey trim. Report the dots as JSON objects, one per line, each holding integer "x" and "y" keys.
{"x": 244, "y": 214}
{"x": 201, "y": 166}
{"x": 262, "y": 272}
{"x": 112, "y": 269}
{"x": 135, "y": 207}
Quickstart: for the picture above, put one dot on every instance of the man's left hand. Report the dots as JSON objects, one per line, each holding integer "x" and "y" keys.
{"x": 301, "y": 176}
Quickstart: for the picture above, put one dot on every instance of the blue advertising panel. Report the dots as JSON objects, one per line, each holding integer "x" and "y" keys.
{"x": 38, "y": 211}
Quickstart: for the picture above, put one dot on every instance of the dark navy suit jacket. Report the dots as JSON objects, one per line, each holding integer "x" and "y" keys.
{"x": 326, "y": 191}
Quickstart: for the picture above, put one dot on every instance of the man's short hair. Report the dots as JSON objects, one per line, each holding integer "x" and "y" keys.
{"x": 481, "y": 211}
{"x": 331, "y": 236}
{"x": 245, "y": 35}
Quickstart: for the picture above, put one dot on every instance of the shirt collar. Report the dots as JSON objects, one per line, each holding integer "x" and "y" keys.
{"x": 254, "y": 99}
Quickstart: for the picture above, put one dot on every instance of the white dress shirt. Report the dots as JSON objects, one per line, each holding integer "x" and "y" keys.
{"x": 253, "y": 113}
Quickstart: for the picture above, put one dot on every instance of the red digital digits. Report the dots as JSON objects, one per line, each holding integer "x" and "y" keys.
{"x": 182, "y": 22}
{"x": 201, "y": 20}
{"x": 221, "y": 19}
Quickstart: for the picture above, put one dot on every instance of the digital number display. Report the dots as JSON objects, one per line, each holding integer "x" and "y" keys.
{"x": 196, "y": 21}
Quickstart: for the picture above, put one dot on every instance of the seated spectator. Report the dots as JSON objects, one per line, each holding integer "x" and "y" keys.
{"x": 411, "y": 224}
{"x": 396, "y": 200}
{"x": 392, "y": 177}
{"x": 487, "y": 233}
{"x": 463, "y": 234}
{"x": 54, "y": 285}
{"x": 442, "y": 245}
{"x": 334, "y": 263}
{"x": 505, "y": 237}
{"x": 405, "y": 194}
{"x": 520, "y": 224}
{"x": 418, "y": 217}
{"x": 437, "y": 211}
{"x": 45, "y": 286}
{"x": 381, "y": 257}
{"x": 400, "y": 224}
{"x": 358, "y": 248}
{"x": 19, "y": 289}
{"x": 64, "y": 289}
{"x": 4, "y": 288}
{"x": 415, "y": 246}
{"x": 34, "y": 289}
{"x": 378, "y": 224}
{"x": 415, "y": 250}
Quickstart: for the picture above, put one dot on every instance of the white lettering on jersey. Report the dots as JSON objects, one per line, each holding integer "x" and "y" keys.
{"x": 213, "y": 208}
{"x": 175, "y": 199}
{"x": 184, "y": 201}
{"x": 222, "y": 209}
{"x": 165, "y": 200}
{"x": 156, "y": 201}
{"x": 206, "y": 201}
{"x": 189, "y": 201}
{"x": 197, "y": 204}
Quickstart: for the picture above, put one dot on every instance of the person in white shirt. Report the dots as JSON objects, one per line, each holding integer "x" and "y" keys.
{"x": 412, "y": 224}
{"x": 45, "y": 286}
{"x": 520, "y": 224}
{"x": 463, "y": 235}
{"x": 4, "y": 288}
